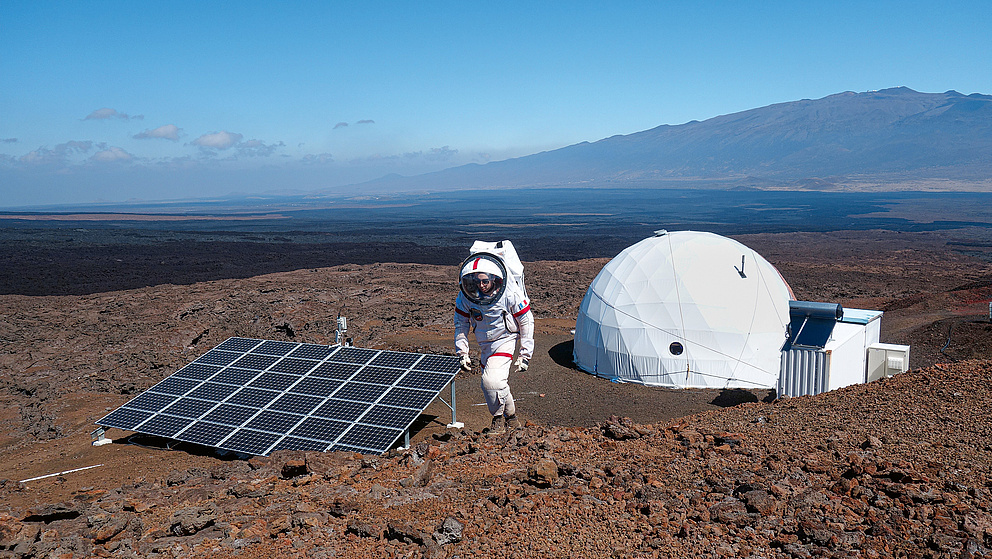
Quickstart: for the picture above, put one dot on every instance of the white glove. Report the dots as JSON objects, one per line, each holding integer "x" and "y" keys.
{"x": 465, "y": 363}
{"x": 521, "y": 365}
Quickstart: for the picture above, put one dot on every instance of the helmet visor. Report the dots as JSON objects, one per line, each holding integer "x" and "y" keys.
{"x": 480, "y": 285}
{"x": 482, "y": 279}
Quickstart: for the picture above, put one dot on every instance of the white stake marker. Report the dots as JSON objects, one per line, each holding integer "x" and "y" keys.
{"x": 60, "y": 473}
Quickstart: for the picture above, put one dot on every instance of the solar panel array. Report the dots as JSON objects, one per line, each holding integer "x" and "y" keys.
{"x": 258, "y": 396}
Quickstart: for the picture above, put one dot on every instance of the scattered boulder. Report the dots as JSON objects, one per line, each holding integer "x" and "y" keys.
{"x": 364, "y": 529}
{"x": 620, "y": 429}
{"x": 294, "y": 467}
{"x": 53, "y": 513}
{"x": 543, "y": 474}
{"x": 424, "y": 474}
{"x": 106, "y": 527}
{"x": 190, "y": 520}
{"x": 448, "y": 531}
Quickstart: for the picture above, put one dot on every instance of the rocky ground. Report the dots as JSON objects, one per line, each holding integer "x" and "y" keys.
{"x": 894, "y": 468}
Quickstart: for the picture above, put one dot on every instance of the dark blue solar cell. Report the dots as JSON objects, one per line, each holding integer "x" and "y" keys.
{"x": 360, "y": 391}
{"x": 124, "y": 418}
{"x": 174, "y": 385}
{"x": 150, "y": 401}
{"x": 353, "y": 355}
{"x": 257, "y": 362}
{"x": 322, "y": 387}
{"x": 312, "y": 351}
{"x": 444, "y": 364}
{"x": 320, "y": 429}
{"x": 293, "y": 366}
{"x": 253, "y": 397}
{"x": 342, "y": 371}
{"x": 197, "y": 371}
{"x": 250, "y": 442}
{"x": 275, "y": 421}
{"x": 424, "y": 381}
{"x": 207, "y": 434}
{"x": 230, "y": 415}
{"x": 296, "y": 403}
{"x": 395, "y": 359}
{"x": 273, "y": 381}
{"x": 275, "y": 348}
{"x": 240, "y": 345}
{"x": 212, "y": 391}
{"x": 339, "y": 409}
{"x": 293, "y": 443}
{"x": 388, "y": 416}
{"x": 238, "y": 377}
{"x": 187, "y": 407}
{"x": 164, "y": 425}
{"x": 378, "y": 375}
{"x": 409, "y": 398}
{"x": 218, "y": 357}
{"x": 376, "y": 438}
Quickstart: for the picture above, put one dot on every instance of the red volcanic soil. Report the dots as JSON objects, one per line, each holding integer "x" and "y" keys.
{"x": 899, "y": 467}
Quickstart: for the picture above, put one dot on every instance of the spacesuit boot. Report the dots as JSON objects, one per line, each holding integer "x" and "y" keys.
{"x": 498, "y": 426}
{"x": 511, "y": 422}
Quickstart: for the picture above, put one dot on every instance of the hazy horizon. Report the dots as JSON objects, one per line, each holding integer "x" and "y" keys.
{"x": 144, "y": 101}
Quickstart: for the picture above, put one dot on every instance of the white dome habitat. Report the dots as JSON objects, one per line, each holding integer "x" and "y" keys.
{"x": 685, "y": 309}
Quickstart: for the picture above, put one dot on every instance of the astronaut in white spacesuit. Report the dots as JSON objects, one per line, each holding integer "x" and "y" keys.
{"x": 499, "y": 313}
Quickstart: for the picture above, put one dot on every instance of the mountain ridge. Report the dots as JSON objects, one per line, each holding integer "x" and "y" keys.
{"x": 890, "y": 135}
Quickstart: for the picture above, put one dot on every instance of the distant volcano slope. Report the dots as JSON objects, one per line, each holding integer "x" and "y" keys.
{"x": 891, "y": 135}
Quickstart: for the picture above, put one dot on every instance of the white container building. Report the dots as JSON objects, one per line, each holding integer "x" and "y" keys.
{"x": 830, "y": 347}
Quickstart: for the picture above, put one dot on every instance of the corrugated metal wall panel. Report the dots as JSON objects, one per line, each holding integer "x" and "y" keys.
{"x": 803, "y": 372}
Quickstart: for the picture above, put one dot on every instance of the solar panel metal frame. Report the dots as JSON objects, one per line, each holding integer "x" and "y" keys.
{"x": 256, "y": 396}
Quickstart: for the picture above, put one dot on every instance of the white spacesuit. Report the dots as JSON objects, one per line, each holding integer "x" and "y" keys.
{"x": 499, "y": 313}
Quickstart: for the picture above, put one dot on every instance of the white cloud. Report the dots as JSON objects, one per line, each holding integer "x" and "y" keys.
{"x": 167, "y": 132}
{"x": 105, "y": 113}
{"x": 257, "y": 148}
{"x": 317, "y": 159}
{"x": 443, "y": 153}
{"x": 112, "y": 154}
{"x": 60, "y": 154}
{"x": 218, "y": 140}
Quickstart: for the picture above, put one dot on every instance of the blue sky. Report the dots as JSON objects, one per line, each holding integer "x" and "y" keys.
{"x": 116, "y": 101}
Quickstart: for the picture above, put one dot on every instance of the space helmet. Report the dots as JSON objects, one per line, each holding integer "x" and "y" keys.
{"x": 482, "y": 278}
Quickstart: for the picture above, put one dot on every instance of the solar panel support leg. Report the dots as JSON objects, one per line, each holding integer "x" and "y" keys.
{"x": 455, "y": 424}
{"x": 99, "y": 438}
